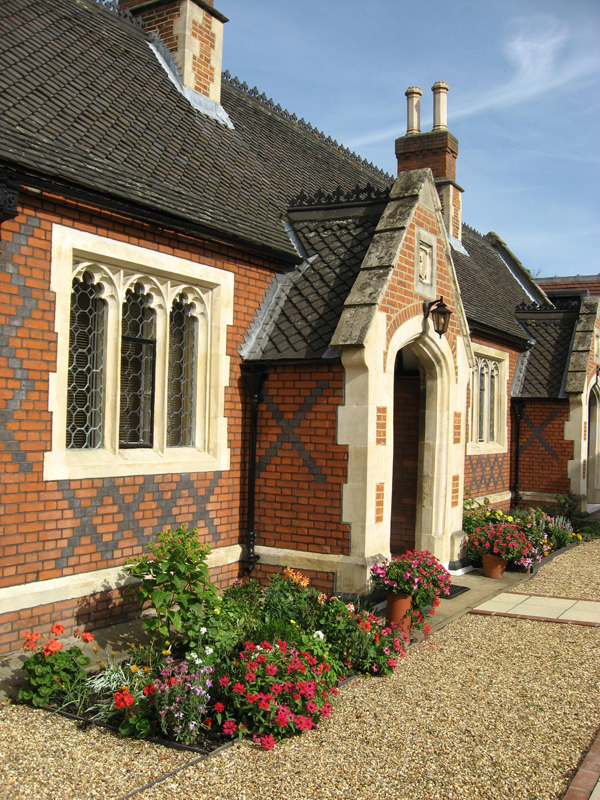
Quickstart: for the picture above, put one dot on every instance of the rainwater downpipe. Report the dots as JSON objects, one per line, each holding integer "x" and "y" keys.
{"x": 518, "y": 405}
{"x": 254, "y": 376}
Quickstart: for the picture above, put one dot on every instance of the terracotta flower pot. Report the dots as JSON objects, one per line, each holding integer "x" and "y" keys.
{"x": 493, "y": 566}
{"x": 398, "y": 606}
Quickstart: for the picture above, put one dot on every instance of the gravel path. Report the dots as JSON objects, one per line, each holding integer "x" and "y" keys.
{"x": 487, "y": 709}
{"x": 575, "y": 573}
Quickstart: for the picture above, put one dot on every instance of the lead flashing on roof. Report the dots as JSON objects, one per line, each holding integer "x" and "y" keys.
{"x": 455, "y": 244}
{"x": 198, "y": 101}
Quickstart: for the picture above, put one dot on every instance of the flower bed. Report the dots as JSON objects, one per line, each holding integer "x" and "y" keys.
{"x": 258, "y": 663}
{"x": 522, "y": 537}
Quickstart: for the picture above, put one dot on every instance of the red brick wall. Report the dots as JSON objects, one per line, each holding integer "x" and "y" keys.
{"x": 544, "y": 453}
{"x": 324, "y": 581}
{"x": 57, "y": 528}
{"x": 401, "y": 302}
{"x": 301, "y": 469}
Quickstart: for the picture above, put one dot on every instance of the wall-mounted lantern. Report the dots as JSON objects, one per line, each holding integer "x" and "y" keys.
{"x": 440, "y": 315}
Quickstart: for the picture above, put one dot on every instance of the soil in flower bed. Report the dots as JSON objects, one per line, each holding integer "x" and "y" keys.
{"x": 206, "y": 741}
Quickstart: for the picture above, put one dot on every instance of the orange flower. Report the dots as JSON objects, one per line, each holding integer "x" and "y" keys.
{"x": 57, "y": 629}
{"x": 87, "y": 637}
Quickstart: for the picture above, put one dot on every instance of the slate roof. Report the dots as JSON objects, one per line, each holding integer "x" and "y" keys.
{"x": 300, "y": 317}
{"x": 548, "y": 360}
{"x": 489, "y": 290}
{"x": 83, "y": 98}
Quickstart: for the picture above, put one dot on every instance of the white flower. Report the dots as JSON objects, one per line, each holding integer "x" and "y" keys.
{"x": 208, "y": 650}
{"x": 202, "y": 631}
{"x": 318, "y": 635}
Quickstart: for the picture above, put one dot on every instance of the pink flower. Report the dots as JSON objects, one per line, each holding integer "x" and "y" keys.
{"x": 267, "y": 741}
{"x": 229, "y": 726}
{"x": 271, "y": 669}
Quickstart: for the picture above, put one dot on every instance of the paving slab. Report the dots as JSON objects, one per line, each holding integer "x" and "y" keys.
{"x": 584, "y": 611}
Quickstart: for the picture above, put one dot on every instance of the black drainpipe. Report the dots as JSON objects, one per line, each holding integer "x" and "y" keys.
{"x": 518, "y": 405}
{"x": 254, "y": 376}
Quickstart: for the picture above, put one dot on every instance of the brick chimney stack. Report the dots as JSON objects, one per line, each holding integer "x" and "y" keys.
{"x": 192, "y": 31}
{"x": 436, "y": 149}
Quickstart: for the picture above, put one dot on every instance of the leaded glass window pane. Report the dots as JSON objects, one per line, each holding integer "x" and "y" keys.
{"x": 181, "y": 378}
{"x": 85, "y": 390}
{"x": 493, "y": 387}
{"x": 138, "y": 354}
{"x": 482, "y": 382}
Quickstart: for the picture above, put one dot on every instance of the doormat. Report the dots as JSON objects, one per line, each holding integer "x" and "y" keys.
{"x": 455, "y": 590}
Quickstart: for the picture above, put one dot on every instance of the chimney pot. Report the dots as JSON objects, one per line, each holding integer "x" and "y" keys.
{"x": 413, "y": 109}
{"x": 440, "y": 106}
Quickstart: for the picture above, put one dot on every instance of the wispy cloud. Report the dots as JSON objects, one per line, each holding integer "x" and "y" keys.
{"x": 544, "y": 57}
{"x": 543, "y": 54}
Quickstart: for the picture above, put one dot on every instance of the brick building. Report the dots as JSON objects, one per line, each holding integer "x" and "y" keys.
{"x": 213, "y": 314}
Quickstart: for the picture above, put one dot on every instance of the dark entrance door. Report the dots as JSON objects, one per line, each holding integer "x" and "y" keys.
{"x": 407, "y": 407}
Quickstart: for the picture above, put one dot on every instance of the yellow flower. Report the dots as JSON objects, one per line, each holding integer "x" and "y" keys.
{"x": 293, "y": 621}
{"x": 134, "y": 668}
{"x": 500, "y": 513}
{"x": 167, "y": 642}
{"x": 217, "y": 610}
{"x": 579, "y": 536}
{"x": 510, "y": 519}
{"x": 220, "y": 599}
{"x": 166, "y": 652}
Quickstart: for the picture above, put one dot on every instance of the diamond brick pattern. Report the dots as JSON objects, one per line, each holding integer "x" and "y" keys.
{"x": 487, "y": 473}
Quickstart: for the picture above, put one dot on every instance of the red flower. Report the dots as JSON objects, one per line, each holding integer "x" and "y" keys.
{"x": 57, "y": 629}
{"x": 51, "y": 646}
{"x": 123, "y": 699}
{"x": 219, "y": 708}
{"x": 87, "y": 637}
{"x": 267, "y": 741}
{"x": 150, "y": 689}
{"x": 31, "y": 640}
{"x": 224, "y": 680}
{"x": 239, "y": 688}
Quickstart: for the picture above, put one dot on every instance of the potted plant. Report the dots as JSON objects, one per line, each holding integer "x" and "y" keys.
{"x": 413, "y": 582}
{"x": 499, "y": 543}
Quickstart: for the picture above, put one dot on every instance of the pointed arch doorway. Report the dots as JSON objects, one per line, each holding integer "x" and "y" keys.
{"x": 409, "y": 426}
{"x": 593, "y": 478}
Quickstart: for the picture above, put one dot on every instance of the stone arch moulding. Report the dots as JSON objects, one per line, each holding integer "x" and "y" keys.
{"x": 369, "y": 385}
{"x": 593, "y": 453}
{"x": 434, "y": 520}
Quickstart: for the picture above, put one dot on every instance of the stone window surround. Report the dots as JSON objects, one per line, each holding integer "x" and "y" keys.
{"x": 74, "y": 251}
{"x": 499, "y": 445}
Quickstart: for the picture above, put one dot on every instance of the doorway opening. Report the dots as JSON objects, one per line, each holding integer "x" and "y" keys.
{"x": 409, "y": 427}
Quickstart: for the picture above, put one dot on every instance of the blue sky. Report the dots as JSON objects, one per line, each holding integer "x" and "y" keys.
{"x": 524, "y": 100}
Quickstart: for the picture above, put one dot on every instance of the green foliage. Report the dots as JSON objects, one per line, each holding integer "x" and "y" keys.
{"x": 174, "y": 580}
{"x": 567, "y": 506}
{"x": 54, "y": 675}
